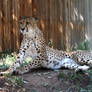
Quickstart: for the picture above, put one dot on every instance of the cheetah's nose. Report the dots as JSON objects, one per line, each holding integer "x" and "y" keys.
{"x": 22, "y": 29}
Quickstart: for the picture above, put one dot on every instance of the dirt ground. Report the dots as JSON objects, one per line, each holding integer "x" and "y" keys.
{"x": 42, "y": 80}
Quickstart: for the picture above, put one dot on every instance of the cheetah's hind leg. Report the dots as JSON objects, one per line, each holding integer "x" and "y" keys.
{"x": 26, "y": 68}
{"x": 71, "y": 64}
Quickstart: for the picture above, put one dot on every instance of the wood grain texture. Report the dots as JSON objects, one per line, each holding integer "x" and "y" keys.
{"x": 60, "y": 21}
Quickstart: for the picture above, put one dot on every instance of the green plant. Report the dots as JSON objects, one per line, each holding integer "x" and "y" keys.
{"x": 82, "y": 46}
{"x": 16, "y": 80}
{"x": 70, "y": 76}
{"x": 7, "y": 59}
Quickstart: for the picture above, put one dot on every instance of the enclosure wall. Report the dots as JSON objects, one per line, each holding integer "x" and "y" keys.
{"x": 63, "y": 22}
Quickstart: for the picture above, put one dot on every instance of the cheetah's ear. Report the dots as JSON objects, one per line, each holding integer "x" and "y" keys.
{"x": 36, "y": 19}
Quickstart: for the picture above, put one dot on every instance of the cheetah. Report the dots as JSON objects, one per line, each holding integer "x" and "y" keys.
{"x": 33, "y": 45}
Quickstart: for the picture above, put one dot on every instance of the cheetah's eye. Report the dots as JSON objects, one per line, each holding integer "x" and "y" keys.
{"x": 27, "y": 22}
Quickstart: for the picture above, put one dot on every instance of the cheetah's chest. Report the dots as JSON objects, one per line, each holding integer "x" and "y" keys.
{"x": 31, "y": 50}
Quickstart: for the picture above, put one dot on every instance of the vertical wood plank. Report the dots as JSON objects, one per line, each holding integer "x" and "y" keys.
{"x": 55, "y": 35}
{"x": 6, "y": 32}
{"x": 43, "y": 14}
{"x": 1, "y": 37}
{"x": 61, "y": 24}
{"x": 35, "y": 8}
{"x": 13, "y": 25}
{"x": 15, "y": 22}
{"x": 9, "y": 22}
{"x": 67, "y": 27}
{"x": 28, "y": 7}
{"x": 51, "y": 27}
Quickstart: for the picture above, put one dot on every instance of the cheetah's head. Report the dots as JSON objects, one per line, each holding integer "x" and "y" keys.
{"x": 27, "y": 25}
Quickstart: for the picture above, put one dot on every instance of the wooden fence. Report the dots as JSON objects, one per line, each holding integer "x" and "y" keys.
{"x": 63, "y": 22}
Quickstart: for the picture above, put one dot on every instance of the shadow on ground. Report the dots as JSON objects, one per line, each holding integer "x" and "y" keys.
{"x": 44, "y": 80}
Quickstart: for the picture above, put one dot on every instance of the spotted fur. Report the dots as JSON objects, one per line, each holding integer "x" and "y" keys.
{"x": 33, "y": 45}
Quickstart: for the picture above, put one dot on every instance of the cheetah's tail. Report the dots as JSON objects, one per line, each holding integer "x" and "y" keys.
{"x": 83, "y": 68}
